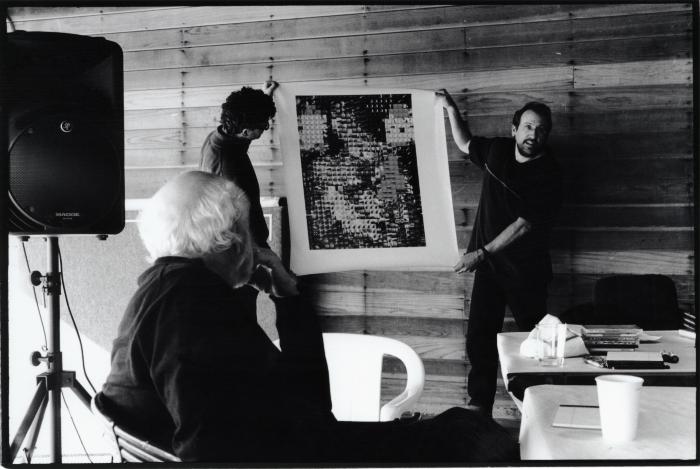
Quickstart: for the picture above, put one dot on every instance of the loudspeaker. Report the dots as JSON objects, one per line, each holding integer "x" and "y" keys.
{"x": 65, "y": 101}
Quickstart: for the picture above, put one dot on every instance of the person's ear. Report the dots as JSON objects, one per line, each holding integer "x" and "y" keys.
{"x": 513, "y": 130}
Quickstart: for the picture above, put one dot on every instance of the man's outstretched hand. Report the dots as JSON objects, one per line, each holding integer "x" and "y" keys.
{"x": 445, "y": 99}
{"x": 269, "y": 87}
{"x": 468, "y": 262}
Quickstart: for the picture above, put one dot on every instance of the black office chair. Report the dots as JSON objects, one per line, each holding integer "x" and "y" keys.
{"x": 649, "y": 301}
{"x": 128, "y": 448}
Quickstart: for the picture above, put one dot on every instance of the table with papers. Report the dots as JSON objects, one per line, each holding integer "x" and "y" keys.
{"x": 666, "y": 428}
{"x": 519, "y": 371}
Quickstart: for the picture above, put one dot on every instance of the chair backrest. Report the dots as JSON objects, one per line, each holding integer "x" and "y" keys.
{"x": 649, "y": 301}
{"x": 355, "y": 372}
{"x": 128, "y": 448}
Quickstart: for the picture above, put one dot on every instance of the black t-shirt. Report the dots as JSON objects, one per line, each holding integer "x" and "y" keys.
{"x": 228, "y": 156}
{"x": 531, "y": 190}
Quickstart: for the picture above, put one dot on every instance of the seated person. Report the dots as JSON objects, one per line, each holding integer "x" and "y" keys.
{"x": 194, "y": 374}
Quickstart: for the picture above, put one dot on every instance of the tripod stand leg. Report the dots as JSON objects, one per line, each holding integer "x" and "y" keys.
{"x": 35, "y": 412}
{"x": 34, "y": 432}
{"x": 81, "y": 392}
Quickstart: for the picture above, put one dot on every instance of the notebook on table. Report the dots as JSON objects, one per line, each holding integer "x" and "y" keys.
{"x": 635, "y": 360}
{"x": 577, "y": 416}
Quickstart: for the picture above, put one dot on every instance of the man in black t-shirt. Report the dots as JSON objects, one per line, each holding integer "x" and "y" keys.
{"x": 509, "y": 246}
{"x": 245, "y": 115}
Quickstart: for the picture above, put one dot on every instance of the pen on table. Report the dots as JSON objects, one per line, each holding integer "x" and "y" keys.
{"x": 595, "y": 363}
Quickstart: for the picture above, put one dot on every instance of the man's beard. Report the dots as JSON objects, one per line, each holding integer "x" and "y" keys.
{"x": 531, "y": 151}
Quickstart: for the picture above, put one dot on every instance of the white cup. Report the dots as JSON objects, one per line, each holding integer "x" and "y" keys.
{"x": 551, "y": 342}
{"x": 618, "y": 400}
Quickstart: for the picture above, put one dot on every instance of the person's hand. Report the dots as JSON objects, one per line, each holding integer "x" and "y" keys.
{"x": 469, "y": 261}
{"x": 269, "y": 87}
{"x": 283, "y": 282}
{"x": 445, "y": 99}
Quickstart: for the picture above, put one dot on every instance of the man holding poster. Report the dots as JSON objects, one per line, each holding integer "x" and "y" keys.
{"x": 245, "y": 115}
{"x": 509, "y": 246}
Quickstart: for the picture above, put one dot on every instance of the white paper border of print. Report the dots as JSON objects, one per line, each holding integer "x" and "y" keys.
{"x": 440, "y": 252}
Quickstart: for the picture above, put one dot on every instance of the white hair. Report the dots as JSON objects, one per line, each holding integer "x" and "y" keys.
{"x": 194, "y": 214}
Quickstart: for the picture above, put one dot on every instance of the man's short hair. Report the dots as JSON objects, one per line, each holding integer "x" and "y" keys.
{"x": 194, "y": 214}
{"x": 246, "y": 108}
{"x": 538, "y": 108}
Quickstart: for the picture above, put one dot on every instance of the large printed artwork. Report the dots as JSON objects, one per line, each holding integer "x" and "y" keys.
{"x": 366, "y": 178}
{"x": 359, "y": 171}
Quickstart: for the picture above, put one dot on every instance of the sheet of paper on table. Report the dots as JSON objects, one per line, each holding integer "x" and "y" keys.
{"x": 577, "y": 416}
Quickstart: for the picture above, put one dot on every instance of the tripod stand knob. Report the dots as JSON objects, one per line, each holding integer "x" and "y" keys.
{"x": 36, "y": 278}
{"x": 36, "y": 358}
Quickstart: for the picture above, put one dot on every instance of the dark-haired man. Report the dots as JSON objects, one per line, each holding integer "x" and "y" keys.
{"x": 509, "y": 246}
{"x": 245, "y": 115}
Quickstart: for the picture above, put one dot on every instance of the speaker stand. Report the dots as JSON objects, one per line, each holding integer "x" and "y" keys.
{"x": 49, "y": 383}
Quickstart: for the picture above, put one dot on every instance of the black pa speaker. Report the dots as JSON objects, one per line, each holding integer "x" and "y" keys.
{"x": 65, "y": 102}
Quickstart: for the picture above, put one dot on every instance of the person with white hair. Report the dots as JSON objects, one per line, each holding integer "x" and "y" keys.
{"x": 195, "y": 374}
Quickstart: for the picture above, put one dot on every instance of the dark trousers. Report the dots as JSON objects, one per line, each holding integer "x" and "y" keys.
{"x": 490, "y": 295}
{"x": 457, "y": 435}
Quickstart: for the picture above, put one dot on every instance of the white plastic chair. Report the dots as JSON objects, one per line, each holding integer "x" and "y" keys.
{"x": 355, "y": 372}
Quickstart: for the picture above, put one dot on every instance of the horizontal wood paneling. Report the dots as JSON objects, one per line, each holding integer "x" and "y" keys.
{"x": 655, "y": 180}
{"x": 309, "y": 21}
{"x": 605, "y": 215}
{"x": 640, "y": 27}
{"x": 624, "y": 262}
{"x": 581, "y": 124}
{"x": 427, "y": 327}
{"x": 568, "y": 288}
{"x": 164, "y": 87}
{"x": 174, "y": 17}
{"x": 447, "y": 61}
{"x": 451, "y": 348}
{"x": 388, "y": 303}
{"x": 576, "y": 238}
{"x": 142, "y": 183}
{"x": 262, "y": 156}
{"x": 598, "y": 100}
{"x": 439, "y": 393}
{"x": 296, "y": 50}
{"x": 630, "y": 73}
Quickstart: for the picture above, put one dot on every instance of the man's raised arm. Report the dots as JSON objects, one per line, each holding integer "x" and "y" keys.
{"x": 460, "y": 129}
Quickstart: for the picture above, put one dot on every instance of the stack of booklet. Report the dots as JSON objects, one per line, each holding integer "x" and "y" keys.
{"x": 605, "y": 338}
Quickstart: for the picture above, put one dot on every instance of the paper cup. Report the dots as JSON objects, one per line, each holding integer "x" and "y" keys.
{"x": 618, "y": 400}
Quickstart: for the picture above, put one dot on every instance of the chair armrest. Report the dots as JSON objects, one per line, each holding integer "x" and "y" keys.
{"x": 393, "y": 409}
{"x": 415, "y": 379}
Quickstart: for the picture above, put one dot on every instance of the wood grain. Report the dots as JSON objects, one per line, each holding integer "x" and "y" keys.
{"x": 604, "y": 215}
{"x": 429, "y": 327}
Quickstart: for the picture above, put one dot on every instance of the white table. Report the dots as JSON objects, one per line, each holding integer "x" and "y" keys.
{"x": 667, "y": 426}
{"x": 516, "y": 367}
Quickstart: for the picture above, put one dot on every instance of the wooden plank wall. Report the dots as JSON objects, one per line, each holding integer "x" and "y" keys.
{"x": 617, "y": 77}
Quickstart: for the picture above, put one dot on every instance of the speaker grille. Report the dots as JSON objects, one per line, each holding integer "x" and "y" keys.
{"x": 64, "y": 174}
